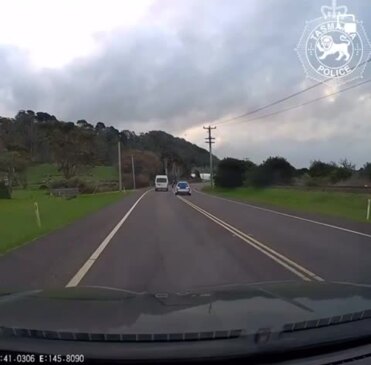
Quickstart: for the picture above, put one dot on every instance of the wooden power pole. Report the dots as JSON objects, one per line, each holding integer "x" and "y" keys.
{"x": 210, "y": 142}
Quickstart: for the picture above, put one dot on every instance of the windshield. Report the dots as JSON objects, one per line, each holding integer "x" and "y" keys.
{"x": 161, "y": 180}
{"x": 165, "y": 147}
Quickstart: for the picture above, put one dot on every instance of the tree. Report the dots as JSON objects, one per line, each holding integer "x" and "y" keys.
{"x": 273, "y": 171}
{"x": 348, "y": 165}
{"x": 13, "y": 164}
{"x": 249, "y": 165}
{"x": 279, "y": 170}
{"x": 321, "y": 169}
{"x": 147, "y": 166}
{"x": 100, "y": 126}
{"x": 72, "y": 148}
{"x": 366, "y": 170}
{"x": 82, "y": 123}
{"x": 4, "y": 191}
{"x": 26, "y": 130}
{"x": 331, "y": 172}
{"x": 342, "y": 172}
{"x": 42, "y": 136}
{"x": 302, "y": 171}
{"x": 7, "y": 132}
{"x": 230, "y": 173}
{"x": 42, "y": 117}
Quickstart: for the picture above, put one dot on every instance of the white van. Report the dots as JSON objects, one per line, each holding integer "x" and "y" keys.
{"x": 161, "y": 183}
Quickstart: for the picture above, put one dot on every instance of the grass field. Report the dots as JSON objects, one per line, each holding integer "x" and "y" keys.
{"x": 18, "y": 220}
{"x": 347, "y": 205}
{"x": 37, "y": 173}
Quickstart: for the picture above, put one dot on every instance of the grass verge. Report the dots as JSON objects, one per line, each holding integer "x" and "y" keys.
{"x": 18, "y": 220}
{"x": 346, "y": 205}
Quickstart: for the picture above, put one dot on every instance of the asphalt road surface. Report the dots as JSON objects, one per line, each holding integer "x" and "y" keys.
{"x": 155, "y": 241}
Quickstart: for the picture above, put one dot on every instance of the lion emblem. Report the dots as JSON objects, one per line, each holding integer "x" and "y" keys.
{"x": 327, "y": 46}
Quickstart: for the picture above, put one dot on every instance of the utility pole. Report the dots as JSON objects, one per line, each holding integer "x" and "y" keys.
{"x": 210, "y": 141}
{"x": 133, "y": 169}
{"x": 119, "y": 163}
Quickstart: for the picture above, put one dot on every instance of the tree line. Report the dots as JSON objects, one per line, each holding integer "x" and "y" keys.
{"x": 38, "y": 137}
{"x": 233, "y": 172}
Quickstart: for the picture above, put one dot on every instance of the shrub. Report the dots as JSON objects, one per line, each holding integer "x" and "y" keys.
{"x": 230, "y": 173}
{"x": 85, "y": 187}
{"x": 321, "y": 169}
{"x": 259, "y": 178}
{"x": 366, "y": 170}
{"x": 58, "y": 184}
{"x": 340, "y": 174}
{"x": 277, "y": 170}
{"x": 4, "y": 191}
{"x": 105, "y": 187}
{"x": 314, "y": 182}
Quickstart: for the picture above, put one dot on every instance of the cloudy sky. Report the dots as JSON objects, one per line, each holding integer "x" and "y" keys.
{"x": 177, "y": 65}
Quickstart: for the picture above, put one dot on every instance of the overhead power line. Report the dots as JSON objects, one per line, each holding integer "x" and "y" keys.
{"x": 305, "y": 103}
{"x": 280, "y": 100}
{"x": 268, "y": 105}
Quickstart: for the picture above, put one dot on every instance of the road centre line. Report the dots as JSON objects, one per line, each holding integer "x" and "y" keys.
{"x": 282, "y": 260}
{"x": 285, "y": 214}
{"x": 91, "y": 260}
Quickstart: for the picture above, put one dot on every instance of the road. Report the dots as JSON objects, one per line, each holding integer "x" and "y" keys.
{"x": 155, "y": 241}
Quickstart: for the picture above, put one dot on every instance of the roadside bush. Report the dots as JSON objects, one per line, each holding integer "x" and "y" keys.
{"x": 332, "y": 172}
{"x": 366, "y": 170}
{"x": 107, "y": 186}
{"x": 85, "y": 187}
{"x": 43, "y": 187}
{"x": 277, "y": 170}
{"x": 58, "y": 184}
{"x": 312, "y": 182}
{"x": 230, "y": 173}
{"x": 321, "y": 169}
{"x": 273, "y": 171}
{"x": 21, "y": 179}
{"x": 259, "y": 178}
{"x": 339, "y": 174}
{"x": 4, "y": 191}
{"x": 315, "y": 182}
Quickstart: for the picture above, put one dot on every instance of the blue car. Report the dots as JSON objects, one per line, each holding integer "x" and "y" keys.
{"x": 183, "y": 188}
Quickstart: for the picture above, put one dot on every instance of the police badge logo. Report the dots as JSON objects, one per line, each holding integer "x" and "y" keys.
{"x": 334, "y": 47}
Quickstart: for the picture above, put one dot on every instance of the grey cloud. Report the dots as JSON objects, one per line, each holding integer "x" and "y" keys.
{"x": 214, "y": 59}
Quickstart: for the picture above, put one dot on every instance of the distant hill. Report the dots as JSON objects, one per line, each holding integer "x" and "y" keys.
{"x": 167, "y": 146}
{"x": 35, "y": 138}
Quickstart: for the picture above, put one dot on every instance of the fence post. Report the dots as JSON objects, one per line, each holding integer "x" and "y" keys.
{"x": 368, "y": 209}
{"x": 37, "y": 213}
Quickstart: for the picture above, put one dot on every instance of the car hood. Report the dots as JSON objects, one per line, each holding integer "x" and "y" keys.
{"x": 247, "y": 309}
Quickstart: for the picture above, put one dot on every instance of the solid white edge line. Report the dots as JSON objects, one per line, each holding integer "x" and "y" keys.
{"x": 285, "y": 214}
{"x": 89, "y": 263}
